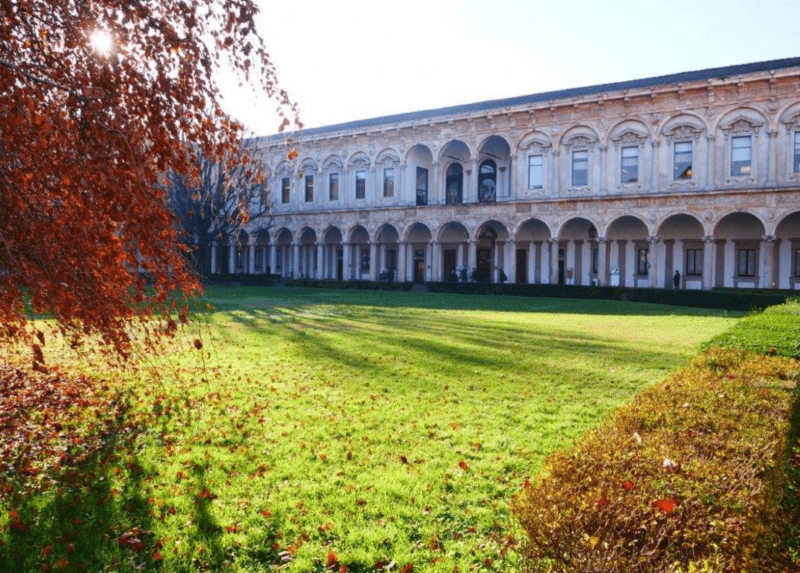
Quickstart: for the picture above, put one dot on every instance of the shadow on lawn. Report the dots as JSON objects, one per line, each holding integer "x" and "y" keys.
{"x": 249, "y": 298}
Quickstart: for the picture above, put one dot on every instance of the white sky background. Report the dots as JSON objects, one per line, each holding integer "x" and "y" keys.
{"x": 344, "y": 60}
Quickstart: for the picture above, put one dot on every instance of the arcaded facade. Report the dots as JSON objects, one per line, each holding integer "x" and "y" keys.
{"x": 620, "y": 184}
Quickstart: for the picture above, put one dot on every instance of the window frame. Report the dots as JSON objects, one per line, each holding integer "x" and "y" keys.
{"x": 333, "y": 190}
{"x": 796, "y": 155}
{"x": 746, "y": 167}
{"x": 309, "y": 188}
{"x": 686, "y": 174}
{"x": 286, "y": 183}
{"x": 635, "y": 179}
{"x": 388, "y": 182}
{"x": 361, "y": 184}
{"x": 750, "y": 261}
{"x": 642, "y": 262}
{"x": 584, "y": 158}
{"x": 540, "y": 167}
{"x": 693, "y": 262}
{"x": 422, "y": 194}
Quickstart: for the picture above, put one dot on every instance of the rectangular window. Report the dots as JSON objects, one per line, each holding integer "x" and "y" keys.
{"x": 239, "y": 258}
{"x": 535, "y": 171}
{"x": 422, "y": 186}
{"x": 365, "y": 259}
{"x": 278, "y": 259}
{"x": 642, "y": 259}
{"x": 595, "y": 260}
{"x": 630, "y": 165}
{"x": 694, "y": 262}
{"x": 333, "y": 194}
{"x": 388, "y": 182}
{"x": 682, "y": 168}
{"x": 391, "y": 259}
{"x": 259, "y": 257}
{"x": 797, "y": 262}
{"x": 580, "y": 168}
{"x": 746, "y": 263}
{"x": 361, "y": 184}
{"x": 309, "y": 188}
{"x": 797, "y": 152}
{"x": 741, "y": 155}
{"x": 285, "y": 190}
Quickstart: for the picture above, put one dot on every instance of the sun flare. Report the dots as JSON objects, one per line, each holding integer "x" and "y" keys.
{"x": 101, "y": 42}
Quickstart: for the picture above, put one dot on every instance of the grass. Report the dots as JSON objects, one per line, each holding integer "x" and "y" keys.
{"x": 366, "y": 429}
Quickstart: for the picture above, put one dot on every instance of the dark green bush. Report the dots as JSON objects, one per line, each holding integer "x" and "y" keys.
{"x": 724, "y": 298}
{"x": 361, "y": 285}
{"x": 689, "y": 477}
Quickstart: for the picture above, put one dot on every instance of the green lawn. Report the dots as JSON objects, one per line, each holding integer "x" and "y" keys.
{"x": 367, "y": 428}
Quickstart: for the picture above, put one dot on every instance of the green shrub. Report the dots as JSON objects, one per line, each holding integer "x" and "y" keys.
{"x": 689, "y": 477}
{"x": 360, "y": 285}
{"x": 774, "y": 331}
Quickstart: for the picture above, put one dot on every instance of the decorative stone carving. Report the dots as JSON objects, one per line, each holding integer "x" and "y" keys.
{"x": 769, "y": 214}
{"x": 709, "y": 216}
{"x": 741, "y": 125}
{"x": 684, "y": 132}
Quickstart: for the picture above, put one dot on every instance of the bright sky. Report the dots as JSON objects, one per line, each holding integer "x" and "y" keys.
{"x": 343, "y": 60}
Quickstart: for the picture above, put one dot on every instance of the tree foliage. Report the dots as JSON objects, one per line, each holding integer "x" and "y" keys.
{"x": 216, "y": 204}
{"x": 86, "y": 136}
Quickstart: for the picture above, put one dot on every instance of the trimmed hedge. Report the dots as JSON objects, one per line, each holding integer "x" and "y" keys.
{"x": 240, "y": 280}
{"x": 774, "y": 331}
{"x": 689, "y": 477}
{"x": 359, "y": 285}
{"x": 728, "y": 299}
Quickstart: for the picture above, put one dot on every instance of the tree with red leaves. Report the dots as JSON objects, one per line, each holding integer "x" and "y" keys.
{"x": 97, "y": 100}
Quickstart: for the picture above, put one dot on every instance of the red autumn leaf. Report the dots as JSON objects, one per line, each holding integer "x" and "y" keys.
{"x": 407, "y": 568}
{"x": 333, "y": 559}
{"x": 291, "y": 155}
{"x": 342, "y": 568}
{"x": 666, "y": 505}
{"x": 628, "y": 485}
{"x": 171, "y": 510}
{"x": 46, "y": 551}
{"x": 205, "y": 494}
{"x": 361, "y": 501}
{"x": 603, "y": 501}
{"x": 198, "y": 344}
{"x": 70, "y": 546}
{"x": 235, "y": 528}
{"x": 62, "y": 563}
{"x": 403, "y": 460}
{"x": 526, "y": 484}
{"x": 157, "y": 556}
{"x": 266, "y": 513}
{"x": 463, "y": 465}
{"x": 45, "y": 568}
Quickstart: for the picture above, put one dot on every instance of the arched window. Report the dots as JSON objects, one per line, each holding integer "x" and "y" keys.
{"x": 454, "y": 184}
{"x": 487, "y": 182}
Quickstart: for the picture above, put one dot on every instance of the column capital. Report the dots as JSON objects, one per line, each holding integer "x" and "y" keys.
{"x": 553, "y": 240}
{"x": 252, "y": 240}
{"x": 402, "y": 242}
{"x": 653, "y": 239}
{"x": 773, "y": 133}
{"x": 708, "y": 239}
{"x": 769, "y": 238}
{"x": 600, "y": 240}
{"x": 512, "y": 241}
{"x": 344, "y": 244}
{"x": 433, "y": 242}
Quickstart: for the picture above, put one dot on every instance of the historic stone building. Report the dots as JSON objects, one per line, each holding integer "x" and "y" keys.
{"x": 623, "y": 183}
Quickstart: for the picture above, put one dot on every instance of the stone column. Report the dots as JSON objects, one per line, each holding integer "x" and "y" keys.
{"x": 510, "y": 262}
{"x": 320, "y": 274}
{"x": 655, "y": 181}
{"x": 428, "y": 261}
{"x": 402, "y": 250}
{"x": 719, "y": 263}
{"x": 652, "y": 272}
{"x": 767, "y": 279}
{"x": 435, "y": 248}
{"x": 554, "y": 174}
{"x": 708, "y": 262}
{"x": 472, "y": 254}
{"x": 433, "y": 186}
{"x": 459, "y": 255}
{"x": 577, "y": 264}
{"x": 373, "y": 263}
{"x": 622, "y": 258}
{"x": 602, "y": 186}
{"x": 231, "y": 256}
{"x": 213, "y": 257}
{"x": 772, "y": 160}
{"x": 382, "y": 261}
{"x": 347, "y": 271}
{"x": 296, "y": 260}
{"x": 553, "y": 260}
{"x": 273, "y": 258}
{"x": 602, "y": 261}
{"x": 357, "y": 271}
{"x": 496, "y": 260}
{"x": 470, "y": 191}
{"x": 251, "y": 255}
{"x": 711, "y": 177}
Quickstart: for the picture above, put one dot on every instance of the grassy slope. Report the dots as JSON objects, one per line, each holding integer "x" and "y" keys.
{"x": 381, "y": 426}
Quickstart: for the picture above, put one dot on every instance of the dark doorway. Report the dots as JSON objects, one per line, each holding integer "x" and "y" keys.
{"x": 561, "y": 266}
{"x": 484, "y": 270}
{"x": 522, "y": 266}
{"x": 339, "y": 264}
{"x": 419, "y": 270}
{"x": 449, "y": 263}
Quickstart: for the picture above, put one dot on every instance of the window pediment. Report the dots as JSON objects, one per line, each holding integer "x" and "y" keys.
{"x": 580, "y": 142}
{"x": 741, "y": 124}
{"x": 629, "y": 137}
{"x": 684, "y": 132}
